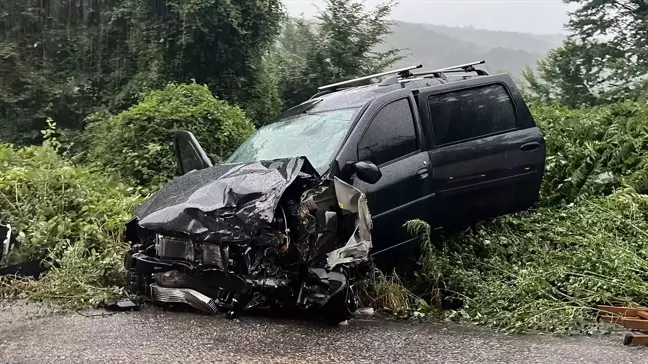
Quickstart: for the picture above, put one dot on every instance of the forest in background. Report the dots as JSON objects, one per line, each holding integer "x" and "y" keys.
{"x": 92, "y": 90}
{"x": 71, "y": 59}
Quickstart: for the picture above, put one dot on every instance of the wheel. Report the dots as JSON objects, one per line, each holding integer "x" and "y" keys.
{"x": 340, "y": 308}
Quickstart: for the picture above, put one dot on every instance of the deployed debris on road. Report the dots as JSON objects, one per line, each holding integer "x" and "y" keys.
{"x": 257, "y": 235}
{"x": 121, "y": 305}
{"x": 634, "y": 318}
{"x": 9, "y": 241}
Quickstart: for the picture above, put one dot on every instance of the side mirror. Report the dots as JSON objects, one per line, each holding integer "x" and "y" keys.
{"x": 189, "y": 153}
{"x": 368, "y": 172}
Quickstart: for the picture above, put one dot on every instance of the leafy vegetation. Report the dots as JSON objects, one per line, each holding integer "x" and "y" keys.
{"x": 592, "y": 151}
{"x": 137, "y": 142}
{"x": 545, "y": 270}
{"x": 71, "y": 218}
{"x": 562, "y": 78}
{"x": 66, "y": 58}
{"x": 387, "y": 292}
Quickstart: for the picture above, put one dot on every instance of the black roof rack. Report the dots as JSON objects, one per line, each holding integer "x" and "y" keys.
{"x": 403, "y": 75}
{"x": 402, "y": 72}
{"x": 441, "y": 73}
{"x": 467, "y": 67}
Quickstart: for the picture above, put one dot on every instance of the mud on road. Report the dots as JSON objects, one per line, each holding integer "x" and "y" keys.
{"x": 36, "y": 334}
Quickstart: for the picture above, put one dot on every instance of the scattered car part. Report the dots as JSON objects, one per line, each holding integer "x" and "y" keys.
{"x": 366, "y": 311}
{"x": 183, "y": 295}
{"x": 121, "y": 305}
{"x": 9, "y": 241}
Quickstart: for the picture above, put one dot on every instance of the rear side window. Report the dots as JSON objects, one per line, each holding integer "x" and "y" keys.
{"x": 390, "y": 135}
{"x": 471, "y": 113}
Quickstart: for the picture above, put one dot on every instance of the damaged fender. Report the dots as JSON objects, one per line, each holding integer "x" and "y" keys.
{"x": 358, "y": 247}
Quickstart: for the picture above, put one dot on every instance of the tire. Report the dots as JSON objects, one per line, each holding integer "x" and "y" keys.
{"x": 340, "y": 308}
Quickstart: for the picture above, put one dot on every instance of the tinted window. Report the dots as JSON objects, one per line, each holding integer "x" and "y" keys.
{"x": 189, "y": 153}
{"x": 390, "y": 135}
{"x": 471, "y": 113}
{"x": 189, "y": 157}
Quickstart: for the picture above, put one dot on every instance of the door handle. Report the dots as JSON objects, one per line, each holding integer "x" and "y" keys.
{"x": 530, "y": 146}
{"x": 423, "y": 173}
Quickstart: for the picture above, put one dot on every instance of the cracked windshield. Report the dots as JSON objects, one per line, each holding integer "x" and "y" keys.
{"x": 315, "y": 136}
{"x": 259, "y": 181}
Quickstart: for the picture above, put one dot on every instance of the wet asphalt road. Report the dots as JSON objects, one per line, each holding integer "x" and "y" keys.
{"x": 29, "y": 334}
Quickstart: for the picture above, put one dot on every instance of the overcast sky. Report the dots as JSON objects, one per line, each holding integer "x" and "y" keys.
{"x": 529, "y": 16}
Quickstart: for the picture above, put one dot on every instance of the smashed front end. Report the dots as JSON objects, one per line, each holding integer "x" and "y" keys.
{"x": 259, "y": 235}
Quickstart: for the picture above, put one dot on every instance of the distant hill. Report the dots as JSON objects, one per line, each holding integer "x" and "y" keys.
{"x": 437, "y": 46}
{"x": 490, "y": 38}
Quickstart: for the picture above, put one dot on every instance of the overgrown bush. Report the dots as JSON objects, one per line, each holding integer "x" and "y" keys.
{"x": 137, "y": 143}
{"x": 544, "y": 270}
{"x": 591, "y": 151}
{"x": 68, "y": 216}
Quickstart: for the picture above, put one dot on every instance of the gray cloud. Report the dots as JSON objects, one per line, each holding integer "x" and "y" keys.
{"x": 528, "y": 16}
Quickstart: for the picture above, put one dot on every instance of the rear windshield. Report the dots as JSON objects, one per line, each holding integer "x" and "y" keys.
{"x": 317, "y": 136}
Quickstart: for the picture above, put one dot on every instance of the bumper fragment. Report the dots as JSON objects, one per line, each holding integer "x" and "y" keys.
{"x": 183, "y": 295}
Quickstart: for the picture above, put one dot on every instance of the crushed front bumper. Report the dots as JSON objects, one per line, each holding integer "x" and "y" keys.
{"x": 254, "y": 245}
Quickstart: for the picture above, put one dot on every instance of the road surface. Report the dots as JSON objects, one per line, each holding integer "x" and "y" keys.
{"x": 30, "y": 334}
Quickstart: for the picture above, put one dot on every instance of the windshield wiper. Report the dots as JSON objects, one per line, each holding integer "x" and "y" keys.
{"x": 301, "y": 109}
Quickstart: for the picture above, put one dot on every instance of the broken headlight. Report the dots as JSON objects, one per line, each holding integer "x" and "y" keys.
{"x": 174, "y": 248}
{"x": 185, "y": 249}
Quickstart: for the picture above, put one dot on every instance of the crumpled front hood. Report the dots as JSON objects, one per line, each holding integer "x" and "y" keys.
{"x": 225, "y": 202}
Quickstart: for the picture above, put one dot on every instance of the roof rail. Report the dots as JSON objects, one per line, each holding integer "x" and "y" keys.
{"x": 403, "y": 72}
{"x": 466, "y": 67}
{"x": 444, "y": 75}
{"x": 439, "y": 73}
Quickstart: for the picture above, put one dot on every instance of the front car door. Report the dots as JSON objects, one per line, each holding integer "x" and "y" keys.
{"x": 189, "y": 154}
{"x": 390, "y": 136}
{"x": 487, "y": 156}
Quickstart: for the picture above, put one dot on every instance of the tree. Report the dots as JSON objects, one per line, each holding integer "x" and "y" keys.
{"x": 66, "y": 58}
{"x": 604, "y": 59}
{"x": 222, "y": 44}
{"x": 338, "y": 45}
{"x": 616, "y": 33}
{"x": 563, "y": 77}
